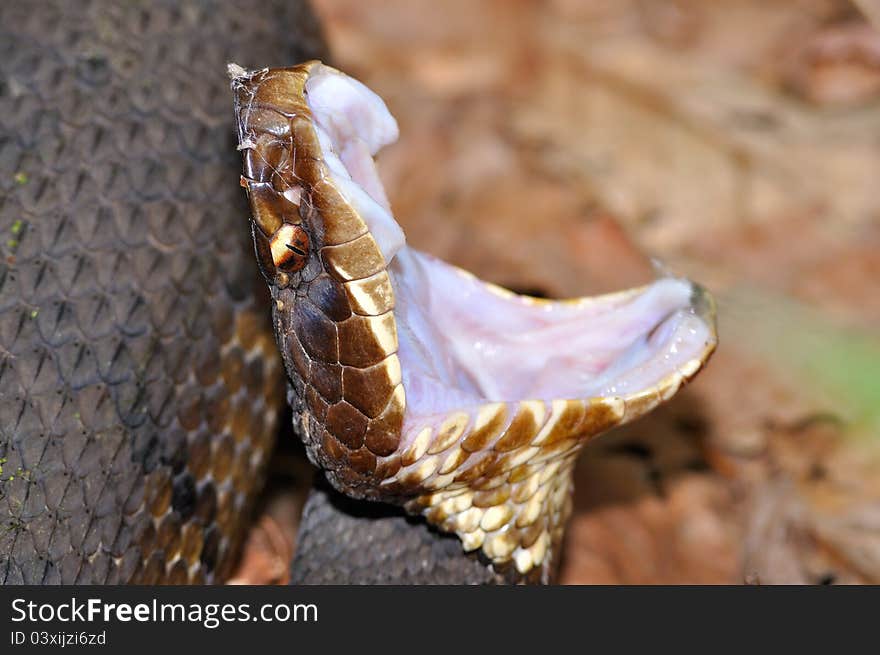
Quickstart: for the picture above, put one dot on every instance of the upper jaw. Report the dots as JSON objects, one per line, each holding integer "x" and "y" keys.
{"x": 353, "y": 124}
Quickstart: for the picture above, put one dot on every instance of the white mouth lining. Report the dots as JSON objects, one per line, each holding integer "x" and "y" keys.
{"x": 461, "y": 342}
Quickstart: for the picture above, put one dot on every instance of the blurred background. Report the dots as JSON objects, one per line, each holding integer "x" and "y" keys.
{"x": 568, "y": 147}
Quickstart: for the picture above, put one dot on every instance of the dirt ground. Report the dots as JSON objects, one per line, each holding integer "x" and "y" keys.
{"x": 560, "y": 147}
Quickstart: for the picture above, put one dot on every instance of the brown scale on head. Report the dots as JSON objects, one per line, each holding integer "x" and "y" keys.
{"x": 413, "y": 382}
{"x": 333, "y": 299}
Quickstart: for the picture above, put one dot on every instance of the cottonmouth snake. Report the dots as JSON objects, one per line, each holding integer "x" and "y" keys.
{"x": 412, "y": 382}
{"x": 139, "y": 385}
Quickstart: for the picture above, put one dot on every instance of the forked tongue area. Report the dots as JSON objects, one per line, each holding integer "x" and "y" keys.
{"x": 463, "y": 342}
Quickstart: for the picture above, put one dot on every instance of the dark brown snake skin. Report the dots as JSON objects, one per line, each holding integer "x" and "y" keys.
{"x": 360, "y": 542}
{"x": 139, "y": 383}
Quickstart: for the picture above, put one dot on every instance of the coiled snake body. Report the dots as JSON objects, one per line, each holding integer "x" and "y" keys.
{"x": 139, "y": 385}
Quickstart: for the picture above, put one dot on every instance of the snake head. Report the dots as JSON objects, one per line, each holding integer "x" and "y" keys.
{"x": 412, "y": 381}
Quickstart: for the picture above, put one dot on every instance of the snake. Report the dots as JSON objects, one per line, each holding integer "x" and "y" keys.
{"x": 141, "y": 387}
{"x": 413, "y": 382}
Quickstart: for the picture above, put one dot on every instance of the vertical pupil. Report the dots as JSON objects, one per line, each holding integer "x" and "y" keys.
{"x": 296, "y": 246}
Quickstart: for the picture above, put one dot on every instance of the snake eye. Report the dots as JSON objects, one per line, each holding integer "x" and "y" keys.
{"x": 290, "y": 248}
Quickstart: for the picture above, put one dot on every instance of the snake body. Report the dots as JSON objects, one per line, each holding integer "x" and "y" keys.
{"x": 139, "y": 385}
{"x": 343, "y": 540}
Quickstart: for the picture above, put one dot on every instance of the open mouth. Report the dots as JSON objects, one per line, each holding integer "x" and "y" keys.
{"x": 413, "y": 381}
{"x": 464, "y": 342}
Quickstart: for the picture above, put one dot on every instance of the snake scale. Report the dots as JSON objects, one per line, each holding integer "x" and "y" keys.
{"x": 139, "y": 382}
